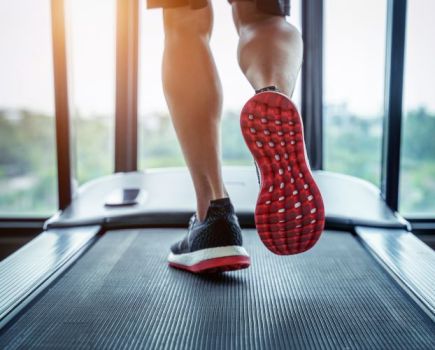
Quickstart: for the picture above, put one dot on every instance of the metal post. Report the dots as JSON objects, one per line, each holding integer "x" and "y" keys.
{"x": 312, "y": 80}
{"x": 61, "y": 104}
{"x": 126, "y": 85}
{"x": 394, "y": 68}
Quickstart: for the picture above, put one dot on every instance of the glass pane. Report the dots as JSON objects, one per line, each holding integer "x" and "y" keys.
{"x": 91, "y": 40}
{"x": 417, "y": 182}
{"x": 354, "y": 54}
{"x": 158, "y": 146}
{"x": 28, "y": 179}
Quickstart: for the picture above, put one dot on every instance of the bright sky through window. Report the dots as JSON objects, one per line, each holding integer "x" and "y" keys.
{"x": 94, "y": 99}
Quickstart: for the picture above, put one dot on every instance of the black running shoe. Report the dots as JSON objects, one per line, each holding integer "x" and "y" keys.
{"x": 214, "y": 245}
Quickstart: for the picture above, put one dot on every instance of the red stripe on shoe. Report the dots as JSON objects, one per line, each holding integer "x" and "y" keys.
{"x": 226, "y": 263}
{"x": 289, "y": 213}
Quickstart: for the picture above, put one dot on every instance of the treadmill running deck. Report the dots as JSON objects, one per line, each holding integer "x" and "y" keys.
{"x": 121, "y": 294}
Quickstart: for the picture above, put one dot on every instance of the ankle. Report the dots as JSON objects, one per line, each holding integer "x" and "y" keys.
{"x": 203, "y": 206}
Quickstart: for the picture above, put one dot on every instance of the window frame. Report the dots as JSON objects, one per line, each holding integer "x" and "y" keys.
{"x": 392, "y": 130}
{"x": 312, "y": 80}
{"x": 61, "y": 103}
{"x": 126, "y": 117}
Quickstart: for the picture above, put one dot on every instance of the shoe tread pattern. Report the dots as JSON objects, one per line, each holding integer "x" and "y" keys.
{"x": 289, "y": 213}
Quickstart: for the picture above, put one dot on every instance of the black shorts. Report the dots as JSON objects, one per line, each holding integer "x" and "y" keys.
{"x": 272, "y": 7}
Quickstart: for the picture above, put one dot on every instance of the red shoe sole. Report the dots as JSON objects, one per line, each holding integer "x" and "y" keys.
{"x": 216, "y": 265}
{"x": 289, "y": 214}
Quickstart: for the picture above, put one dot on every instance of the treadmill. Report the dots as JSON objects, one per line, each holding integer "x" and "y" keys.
{"x": 97, "y": 276}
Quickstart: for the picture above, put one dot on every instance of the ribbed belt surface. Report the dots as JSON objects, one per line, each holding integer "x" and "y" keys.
{"x": 122, "y": 295}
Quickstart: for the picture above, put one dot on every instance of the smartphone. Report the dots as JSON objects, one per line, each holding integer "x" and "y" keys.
{"x": 122, "y": 197}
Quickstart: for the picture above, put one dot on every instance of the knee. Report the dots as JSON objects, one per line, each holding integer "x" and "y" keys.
{"x": 188, "y": 23}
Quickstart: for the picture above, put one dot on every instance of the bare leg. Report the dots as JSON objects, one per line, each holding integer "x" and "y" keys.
{"x": 194, "y": 96}
{"x": 290, "y": 216}
{"x": 270, "y": 48}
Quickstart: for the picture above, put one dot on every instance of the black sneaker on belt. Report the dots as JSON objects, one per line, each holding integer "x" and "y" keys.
{"x": 214, "y": 245}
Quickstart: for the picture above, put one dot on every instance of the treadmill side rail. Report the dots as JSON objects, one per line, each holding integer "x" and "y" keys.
{"x": 410, "y": 261}
{"x": 25, "y": 271}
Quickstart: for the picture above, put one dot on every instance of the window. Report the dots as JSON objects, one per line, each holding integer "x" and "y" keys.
{"x": 91, "y": 44}
{"x": 28, "y": 179}
{"x": 354, "y": 64}
{"x": 158, "y": 146}
{"x": 417, "y": 181}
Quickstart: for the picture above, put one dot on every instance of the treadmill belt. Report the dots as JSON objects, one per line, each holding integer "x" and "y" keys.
{"x": 121, "y": 294}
